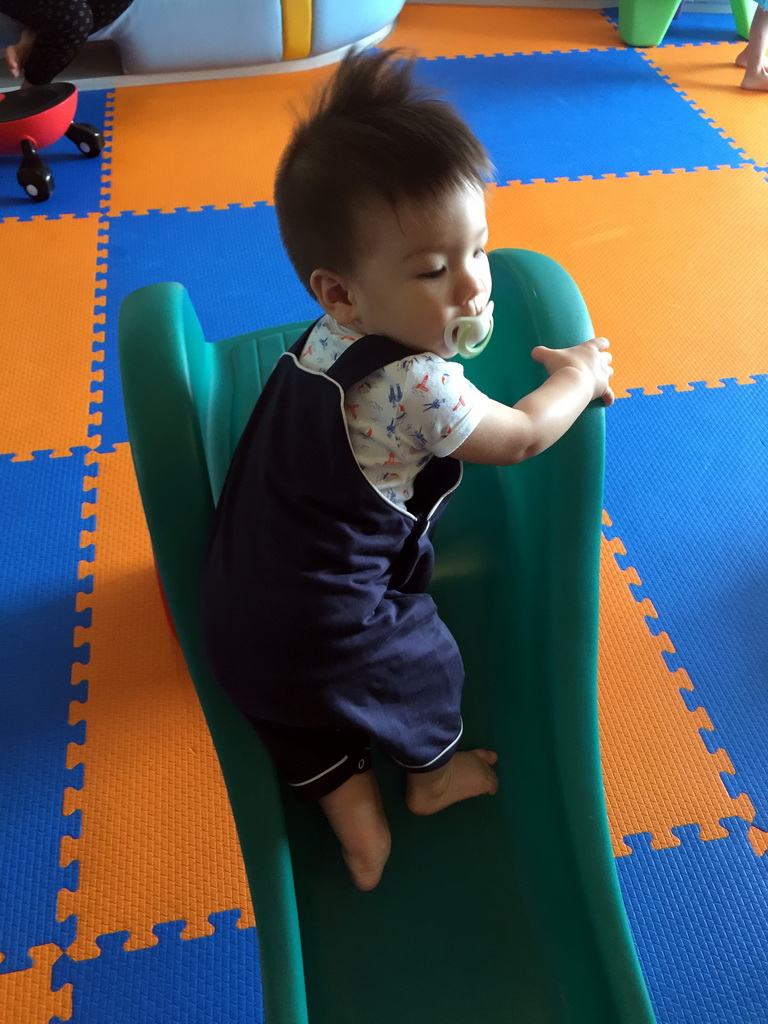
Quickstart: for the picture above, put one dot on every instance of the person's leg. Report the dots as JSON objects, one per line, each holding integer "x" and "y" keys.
{"x": 756, "y": 74}
{"x": 60, "y": 28}
{"x": 356, "y": 815}
{"x": 107, "y": 11}
{"x": 469, "y": 773}
{"x": 333, "y": 767}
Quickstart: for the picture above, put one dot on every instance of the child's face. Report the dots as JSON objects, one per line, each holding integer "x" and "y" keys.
{"x": 420, "y": 266}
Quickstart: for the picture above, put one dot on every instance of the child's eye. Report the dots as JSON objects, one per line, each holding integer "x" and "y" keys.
{"x": 432, "y": 274}
{"x": 480, "y": 252}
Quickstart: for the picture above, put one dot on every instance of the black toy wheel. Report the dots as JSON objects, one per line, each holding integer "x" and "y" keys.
{"x": 88, "y": 139}
{"x": 33, "y": 175}
{"x": 37, "y": 185}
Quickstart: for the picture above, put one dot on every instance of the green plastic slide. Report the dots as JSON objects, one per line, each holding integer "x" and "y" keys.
{"x": 499, "y": 910}
{"x": 645, "y": 22}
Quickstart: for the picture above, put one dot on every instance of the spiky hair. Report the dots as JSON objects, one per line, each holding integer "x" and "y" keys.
{"x": 371, "y": 134}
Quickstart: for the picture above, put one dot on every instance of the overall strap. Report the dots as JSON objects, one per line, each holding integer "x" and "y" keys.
{"x": 364, "y": 357}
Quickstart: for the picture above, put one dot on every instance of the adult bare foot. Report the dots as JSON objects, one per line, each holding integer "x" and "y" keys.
{"x": 756, "y": 74}
{"x": 12, "y": 60}
{"x": 16, "y": 56}
{"x": 756, "y": 80}
{"x": 356, "y": 815}
{"x": 469, "y": 773}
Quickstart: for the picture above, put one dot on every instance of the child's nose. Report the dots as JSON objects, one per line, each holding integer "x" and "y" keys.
{"x": 469, "y": 287}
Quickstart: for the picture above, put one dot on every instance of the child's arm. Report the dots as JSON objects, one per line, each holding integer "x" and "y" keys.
{"x": 506, "y": 435}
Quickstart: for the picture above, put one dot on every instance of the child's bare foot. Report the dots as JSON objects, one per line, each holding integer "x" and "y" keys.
{"x": 17, "y": 56}
{"x": 757, "y": 80}
{"x": 356, "y": 815}
{"x": 469, "y": 773}
{"x": 741, "y": 60}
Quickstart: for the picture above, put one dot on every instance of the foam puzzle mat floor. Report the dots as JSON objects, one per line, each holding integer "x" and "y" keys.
{"x": 645, "y": 173}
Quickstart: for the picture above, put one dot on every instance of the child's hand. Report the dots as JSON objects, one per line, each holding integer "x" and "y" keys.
{"x": 592, "y": 358}
{"x": 507, "y": 435}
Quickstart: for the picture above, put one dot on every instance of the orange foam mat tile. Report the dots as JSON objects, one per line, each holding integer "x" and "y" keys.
{"x": 158, "y": 842}
{"x": 456, "y": 31}
{"x": 26, "y": 996}
{"x": 708, "y": 77}
{"x": 50, "y": 286}
{"x": 673, "y": 267}
{"x": 759, "y": 841}
{"x": 159, "y": 162}
{"x": 657, "y": 771}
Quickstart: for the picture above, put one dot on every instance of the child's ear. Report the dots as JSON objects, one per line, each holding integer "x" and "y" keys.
{"x": 332, "y": 293}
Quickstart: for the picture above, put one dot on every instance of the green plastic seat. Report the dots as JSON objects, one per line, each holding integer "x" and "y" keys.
{"x": 645, "y": 22}
{"x": 502, "y": 910}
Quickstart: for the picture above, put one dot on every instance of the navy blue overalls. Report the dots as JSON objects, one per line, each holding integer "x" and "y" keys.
{"x": 315, "y": 616}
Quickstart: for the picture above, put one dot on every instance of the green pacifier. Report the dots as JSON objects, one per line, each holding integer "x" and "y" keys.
{"x": 468, "y": 335}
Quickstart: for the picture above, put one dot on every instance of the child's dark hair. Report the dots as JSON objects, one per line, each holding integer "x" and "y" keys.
{"x": 372, "y": 134}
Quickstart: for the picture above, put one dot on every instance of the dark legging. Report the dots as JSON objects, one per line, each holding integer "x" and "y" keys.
{"x": 61, "y": 28}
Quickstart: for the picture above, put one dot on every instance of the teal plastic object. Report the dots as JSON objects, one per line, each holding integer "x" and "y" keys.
{"x": 502, "y": 910}
{"x": 645, "y": 22}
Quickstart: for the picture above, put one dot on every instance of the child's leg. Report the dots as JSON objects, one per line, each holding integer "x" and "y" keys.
{"x": 469, "y": 773}
{"x": 356, "y": 815}
{"x": 753, "y": 58}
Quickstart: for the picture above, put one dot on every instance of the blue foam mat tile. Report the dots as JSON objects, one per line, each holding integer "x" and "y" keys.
{"x": 687, "y": 490}
{"x": 692, "y": 27}
{"x": 40, "y": 524}
{"x": 578, "y": 114}
{"x": 77, "y": 178}
{"x": 232, "y": 263}
{"x": 209, "y": 979}
{"x": 698, "y": 913}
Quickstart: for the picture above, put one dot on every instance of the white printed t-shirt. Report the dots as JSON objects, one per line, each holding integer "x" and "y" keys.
{"x": 401, "y": 415}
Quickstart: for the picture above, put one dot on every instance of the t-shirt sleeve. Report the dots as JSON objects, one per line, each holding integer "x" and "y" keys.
{"x": 441, "y": 407}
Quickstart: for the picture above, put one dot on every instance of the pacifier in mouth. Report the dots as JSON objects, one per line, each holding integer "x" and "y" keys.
{"x": 468, "y": 335}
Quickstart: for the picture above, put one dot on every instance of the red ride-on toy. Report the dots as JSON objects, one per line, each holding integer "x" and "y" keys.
{"x": 33, "y": 118}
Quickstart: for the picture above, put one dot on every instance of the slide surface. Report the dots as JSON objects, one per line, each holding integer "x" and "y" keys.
{"x": 496, "y": 911}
